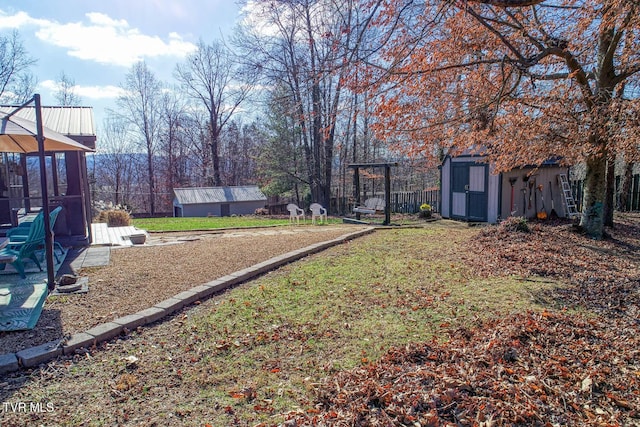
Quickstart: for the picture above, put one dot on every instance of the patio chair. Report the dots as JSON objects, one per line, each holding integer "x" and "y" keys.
{"x": 15, "y": 253}
{"x": 317, "y": 211}
{"x": 295, "y": 213}
{"x": 19, "y": 234}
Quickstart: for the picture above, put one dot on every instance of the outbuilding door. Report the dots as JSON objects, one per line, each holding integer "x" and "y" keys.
{"x": 469, "y": 191}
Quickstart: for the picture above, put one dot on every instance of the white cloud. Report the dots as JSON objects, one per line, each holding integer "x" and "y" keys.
{"x": 102, "y": 39}
{"x": 100, "y": 92}
{"x": 104, "y": 20}
{"x": 18, "y": 20}
{"x": 87, "y": 92}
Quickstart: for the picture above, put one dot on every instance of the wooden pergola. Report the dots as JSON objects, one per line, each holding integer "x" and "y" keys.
{"x": 387, "y": 185}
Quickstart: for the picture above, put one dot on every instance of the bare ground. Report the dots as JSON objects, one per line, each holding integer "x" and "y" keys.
{"x": 141, "y": 276}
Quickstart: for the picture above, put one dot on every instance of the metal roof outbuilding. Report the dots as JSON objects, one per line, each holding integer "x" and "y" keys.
{"x": 203, "y": 195}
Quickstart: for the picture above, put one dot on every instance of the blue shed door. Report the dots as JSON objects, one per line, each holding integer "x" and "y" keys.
{"x": 469, "y": 191}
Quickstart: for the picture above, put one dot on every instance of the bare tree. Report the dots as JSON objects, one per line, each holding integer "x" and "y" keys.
{"x": 239, "y": 147}
{"x": 173, "y": 144}
{"x": 213, "y": 78}
{"x": 66, "y": 91}
{"x": 305, "y": 47}
{"x": 198, "y": 154}
{"x": 16, "y": 83}
{"x": 140, "y": 107}
{"x": 114, "y": 166}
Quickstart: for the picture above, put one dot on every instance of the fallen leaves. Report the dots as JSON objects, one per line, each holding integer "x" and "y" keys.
{"x": 125, "y": 382}
{"x": 526, "y": 369}
{"x": 604, "y": 275}
{"x": 537, "y": 368}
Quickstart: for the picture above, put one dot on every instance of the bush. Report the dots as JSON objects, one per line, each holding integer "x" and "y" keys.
{"x": 515, "y": 223}
{"x": 425, "y": 210}
{"x": 114, "y": 218}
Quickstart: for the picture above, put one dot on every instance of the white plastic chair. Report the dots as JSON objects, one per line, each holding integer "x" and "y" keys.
{"x": 295, "y": 213}
{"x": 317, "y": 211}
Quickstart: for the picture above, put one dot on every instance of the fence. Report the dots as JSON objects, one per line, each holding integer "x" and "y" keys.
{"x": 401, "y": 201}
{"x": 410, "y": 201}
{"x": 633, "y": 196}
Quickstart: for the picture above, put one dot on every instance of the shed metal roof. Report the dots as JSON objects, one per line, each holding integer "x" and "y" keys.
{"x": 74, "y": 122}
{"x": 204, "y": 195}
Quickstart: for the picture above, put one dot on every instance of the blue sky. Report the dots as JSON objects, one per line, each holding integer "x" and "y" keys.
{"x": 95, "y": 43}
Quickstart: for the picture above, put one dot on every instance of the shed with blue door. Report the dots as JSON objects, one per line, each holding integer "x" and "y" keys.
{"x": 472, "y": 191}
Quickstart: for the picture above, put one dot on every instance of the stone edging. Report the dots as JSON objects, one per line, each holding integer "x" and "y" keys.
{"x": 31, "y": 357}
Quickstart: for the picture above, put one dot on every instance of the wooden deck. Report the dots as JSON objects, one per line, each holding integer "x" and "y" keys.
{"x": 113, "y": 236}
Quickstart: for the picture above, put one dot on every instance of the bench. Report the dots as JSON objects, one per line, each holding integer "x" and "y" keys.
{"x": 371, "y": 206}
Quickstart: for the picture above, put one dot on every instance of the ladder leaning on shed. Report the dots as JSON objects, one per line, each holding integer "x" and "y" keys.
{"x": 570, "y": 207}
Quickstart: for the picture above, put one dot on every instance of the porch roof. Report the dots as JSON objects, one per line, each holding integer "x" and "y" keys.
{"x": 75, "y": 122}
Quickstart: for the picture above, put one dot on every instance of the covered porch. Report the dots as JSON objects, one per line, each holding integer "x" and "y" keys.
{"x": 67, "y": 178}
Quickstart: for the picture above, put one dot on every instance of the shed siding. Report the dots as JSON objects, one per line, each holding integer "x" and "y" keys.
{"x": 445, "y": 188}
{"x": 544, "y": 176}
{"x": 214, "y": 209}
{"x": 246, "y": 208}
{"x": 199, "y": 210}
{"x": 493, "y": 196}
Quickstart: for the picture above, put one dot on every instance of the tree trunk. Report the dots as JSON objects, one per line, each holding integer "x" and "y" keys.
{"x": 328, "y": 172}
{"x": 625, "y": 203}
{"x": 594, "y": 196}
{"x": 117, "y": 189}
{"x": 152, "y": 187}
{"x": 610, "y": 199}
{"x": 216, "y": 159}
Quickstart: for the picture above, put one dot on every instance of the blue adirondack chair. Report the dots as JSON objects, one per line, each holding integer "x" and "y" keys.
{"x": 19, "y": 234}
{"x": 17, "y": 252}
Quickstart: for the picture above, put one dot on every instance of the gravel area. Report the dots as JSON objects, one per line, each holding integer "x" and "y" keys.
{"x": 141, "y": 276}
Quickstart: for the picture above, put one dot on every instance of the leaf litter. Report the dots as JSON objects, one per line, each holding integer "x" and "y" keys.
{"x": 577, "y": 366}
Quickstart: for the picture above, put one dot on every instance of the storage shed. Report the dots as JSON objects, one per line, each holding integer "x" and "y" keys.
{"x": 217, "y": 201}
{"x": 470, "y": 191}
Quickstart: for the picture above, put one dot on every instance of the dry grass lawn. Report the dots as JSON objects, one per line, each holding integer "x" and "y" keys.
{"x": 141, "y": 276}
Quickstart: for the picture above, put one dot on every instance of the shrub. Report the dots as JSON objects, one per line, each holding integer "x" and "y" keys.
{"x": 114, "y": 218}
{"x": 425, "y": 210}
{"x": 515, "y": 223}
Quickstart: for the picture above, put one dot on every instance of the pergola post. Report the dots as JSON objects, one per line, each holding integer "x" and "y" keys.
{"x": 387, "y": 195}
{"x": 356, "y": 189}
